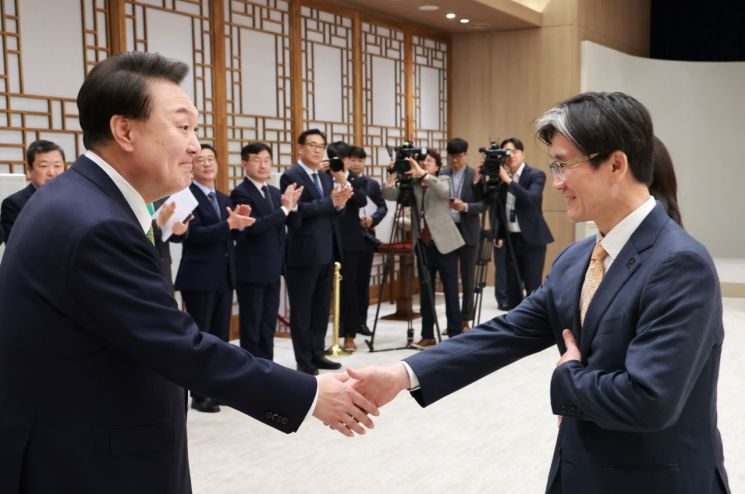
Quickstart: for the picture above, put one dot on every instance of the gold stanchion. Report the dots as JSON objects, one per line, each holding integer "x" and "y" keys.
{"x": 335, "y": 350}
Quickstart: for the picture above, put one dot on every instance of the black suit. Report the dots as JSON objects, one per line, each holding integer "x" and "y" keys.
{"x": 12, "y": 206}
{"x": 206, "y": 275}
{"x": 95, "y": 353}
{"x": 312, "y": 246}
{"x": 355, "y": 248}
{"x": 366, "y": 259}
{"x": 164, "y": 251}
{"x": 259, "y": 259}
{"x": 530, "y": 243}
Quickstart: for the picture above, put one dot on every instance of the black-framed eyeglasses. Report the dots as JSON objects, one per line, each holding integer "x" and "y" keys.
{"x": 558, "y": 168}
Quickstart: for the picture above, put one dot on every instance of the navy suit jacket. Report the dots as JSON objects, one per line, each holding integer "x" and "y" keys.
{"x": 528, "y": 192}
{"x": 11, "y": 208}
{"x": 95, "y": 353}
{"x": 349, "y": 222}
{"x": 208, "y": 254}
{"x": 314, "y": 239}
{"x": 470, "y": 221}
{"x": 640, "y": 409}
{"x": 260, "y": 248}
{"x": 376, "y": 196}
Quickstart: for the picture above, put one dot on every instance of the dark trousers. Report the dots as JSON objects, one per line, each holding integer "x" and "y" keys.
{"x": 363, "y": 286}
{"x": 259, "y": 305}
{"x": 447, "y": 266}
{"x": 211, "y": 311}
{"x": 500, "y": 276}
{"x": 467, "y": 255}
{"x": 530, "y": 261}
{"x": 309, "y": 289}
{"x": 351, "y": 272}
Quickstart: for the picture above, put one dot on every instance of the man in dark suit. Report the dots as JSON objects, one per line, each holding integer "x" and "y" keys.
{"x": 260, "y": 250}
{"x": 313, "y": 244}
{"x": 45, "y": 160}
{"x": 180, "y": 228}
{"x": 466, "y": 212}
{"x": 638, "y": 393}
{"x": 94, "y": 352}
{"x": 206, "y": 275}
{"x": 353, "y": 245}
{"x": 368, "y": 222}
{"x": 523, "y": 228}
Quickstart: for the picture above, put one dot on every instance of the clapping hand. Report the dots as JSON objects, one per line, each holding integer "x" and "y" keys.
{"x": 240, "y": 217}
{"x": 340, "y": 196}
{"x": 290, "y": 196}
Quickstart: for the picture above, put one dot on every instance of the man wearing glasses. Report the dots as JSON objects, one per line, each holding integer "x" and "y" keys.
{"x": 524, "y": 230}
{"x": 312, "y": 247}
{"x": 636, "y": 313}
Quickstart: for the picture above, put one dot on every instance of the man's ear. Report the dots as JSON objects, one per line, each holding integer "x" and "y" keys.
{"x": 121, "y": 132}
{"x": 619, "y": 165}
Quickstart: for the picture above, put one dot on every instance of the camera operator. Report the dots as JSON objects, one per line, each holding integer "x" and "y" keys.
{"x": 465, "y": 209}
{"x": 521, "y": 193}
{"x": 439, "y": 236}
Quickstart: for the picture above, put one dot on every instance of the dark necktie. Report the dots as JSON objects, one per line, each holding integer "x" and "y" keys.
{"x": 318, "y": 183}
{"x": 213, "y": 199}
{"x": 267, "y": 197}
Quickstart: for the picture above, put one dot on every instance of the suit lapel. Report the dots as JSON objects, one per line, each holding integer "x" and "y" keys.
{"x": 307, "y": 182}
{"x": 567, "y": 298}
{"x": 257, "y": 197}
{"x": 204, "y": 203}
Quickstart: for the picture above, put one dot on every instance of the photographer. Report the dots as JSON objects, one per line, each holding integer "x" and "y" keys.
{"x": 521, "y": 193}
{"x": 439, "y": 236}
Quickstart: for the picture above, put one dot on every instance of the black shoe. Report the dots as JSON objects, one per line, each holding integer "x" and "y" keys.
{"x": 206, "y": 405}
{"x": 307, "y": 369}
{"x": 364, "y": 330}
{"x": 324, "y": 363}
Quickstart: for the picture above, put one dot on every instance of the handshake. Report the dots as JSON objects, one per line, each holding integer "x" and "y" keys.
{"x": 347, "y": 400}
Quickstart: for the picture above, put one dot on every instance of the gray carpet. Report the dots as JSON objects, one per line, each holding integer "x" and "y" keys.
{"x": 495, "y": 436}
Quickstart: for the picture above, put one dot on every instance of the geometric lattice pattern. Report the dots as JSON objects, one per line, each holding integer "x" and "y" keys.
{"x": 430, "y": 55}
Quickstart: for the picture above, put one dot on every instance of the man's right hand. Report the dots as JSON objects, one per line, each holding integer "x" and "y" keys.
{"x": 380, "y": 384}
{"x": 341, "y": 407}
{"x": 340, "y": 196}
{"x": 240, "y": 217}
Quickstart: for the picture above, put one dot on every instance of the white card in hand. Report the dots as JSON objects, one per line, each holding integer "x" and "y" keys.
{"x": 185, "y": 204}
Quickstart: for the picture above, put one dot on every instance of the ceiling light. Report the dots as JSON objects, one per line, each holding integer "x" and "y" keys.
{"x": 465, "y": 21}
{"x": 450, "y": 15}
{"x": 429, "y": 8}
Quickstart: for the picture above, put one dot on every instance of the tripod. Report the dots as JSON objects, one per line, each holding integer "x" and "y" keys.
{"x": 495, "y": 209}
{"x": 405, "y": 198}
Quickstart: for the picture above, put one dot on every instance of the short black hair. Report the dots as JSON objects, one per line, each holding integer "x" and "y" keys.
{"x": 604, "y": 123}
{"x": 515, "y": 142}
{"x": 457, "y": 146}
{"x": 309, "y": 132}
{"x": 40, "y": 147}
{"x": 358, "y": 152}
{"x": 254, "y": 148}
{"x": 208, "y": 146}
{"x": 339, "y": 149}
{"x": 435, "y": 155}
{"x": 119, "y": 85}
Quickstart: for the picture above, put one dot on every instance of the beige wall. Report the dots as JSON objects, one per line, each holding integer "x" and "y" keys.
{"x": 502, "y": 81}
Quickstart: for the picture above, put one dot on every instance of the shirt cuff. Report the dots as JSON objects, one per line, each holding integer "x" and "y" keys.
{"x": 465, "y": 207}
{"x": 285, "y": 210}
{"x": 412, "y": 377}
{"x": 312, "y": 408}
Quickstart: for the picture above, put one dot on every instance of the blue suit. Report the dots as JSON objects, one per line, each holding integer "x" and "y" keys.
{"x": 95, "y": 353}
{"x": 11, "y": 208}
{"x": 640, "y": 409}
{"x": 313, "y": 244}
{"x": 206, "y": 275}
{"x": 260, "y": 258}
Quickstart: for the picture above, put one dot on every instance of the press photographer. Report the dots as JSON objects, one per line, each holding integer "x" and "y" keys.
{"x": 436, "y": 234}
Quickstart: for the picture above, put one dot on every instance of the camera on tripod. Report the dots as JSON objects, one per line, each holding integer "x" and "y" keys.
{"x": 407, "y": 150}
{"x": 494, "y": 158}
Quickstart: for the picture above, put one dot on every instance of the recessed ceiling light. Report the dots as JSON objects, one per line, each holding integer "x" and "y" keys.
{"x": 429, "y": 8}
{"x": 465, "y": 21}
{"x": 450, "y": 15}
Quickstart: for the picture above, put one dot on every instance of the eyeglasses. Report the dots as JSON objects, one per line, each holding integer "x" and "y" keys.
{"x": 316, "y": 147}
{"x": 558, "y": 168}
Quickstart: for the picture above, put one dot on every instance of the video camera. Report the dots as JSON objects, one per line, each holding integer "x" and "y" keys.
{"x": 407, "y": 150}
{"x": 494, "y": 158}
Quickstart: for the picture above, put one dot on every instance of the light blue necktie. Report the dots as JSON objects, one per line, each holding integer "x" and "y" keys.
{"x": 318, "y": 183}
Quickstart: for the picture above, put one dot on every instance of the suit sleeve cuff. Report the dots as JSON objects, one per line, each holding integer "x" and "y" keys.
{"x": 311, "y": 409}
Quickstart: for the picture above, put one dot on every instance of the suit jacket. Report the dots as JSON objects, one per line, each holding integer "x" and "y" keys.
{"x": 470, "y": 221}
{"x": 349, "y": 222}
{"x": 375, "y": 195}
{"x": 528, "y": 192}
{"x": 208, "y": 254}
{"x": 435, "y": 203}
{"x": 260, "y": 248}
{"x": 314, "y": 239}
{"x": 164, "y": 251}
{"x": 95, "y": 353}
{"x": 640, "y": 409}
{"x": 12, "y": 206}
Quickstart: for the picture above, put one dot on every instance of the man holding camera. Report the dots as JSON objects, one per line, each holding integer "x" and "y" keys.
{"x": 524, "y": 230}
{"x": 465, "y": 210}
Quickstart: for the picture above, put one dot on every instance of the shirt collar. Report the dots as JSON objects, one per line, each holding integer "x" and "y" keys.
{"x": 620, "y": 234}
{"x": 258, "y": 185}
{"x": 519, "y": 170}
{"x": 307, "y": 170}
{"x": 203, "y": 188}
{"x": 133, "y": 198}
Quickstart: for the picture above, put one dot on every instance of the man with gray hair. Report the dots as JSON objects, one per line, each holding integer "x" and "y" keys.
{"x": 635, "y": 312}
